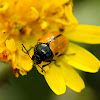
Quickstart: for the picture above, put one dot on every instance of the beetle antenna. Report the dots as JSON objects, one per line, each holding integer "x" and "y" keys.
{"x": 27, "y": 52}
{"x": 41, "y": 68}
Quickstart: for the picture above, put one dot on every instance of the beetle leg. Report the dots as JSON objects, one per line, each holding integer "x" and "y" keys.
{"x": 42, "y": 69}
{"x": 27, "y": 51}
{"x": 30, "y": 49}
{"x": 24, "y": 49}
{"x": 54, "y": 62}
{"x": 45, "y": 65}
{"x": 67, "y": 54}
{"x": 71, "y": 54}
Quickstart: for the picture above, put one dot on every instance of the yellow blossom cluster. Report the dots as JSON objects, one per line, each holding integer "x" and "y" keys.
{"x": 26, "y": 21}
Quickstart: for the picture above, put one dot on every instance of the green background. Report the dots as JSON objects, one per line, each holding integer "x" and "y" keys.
{"x": 34, "y": 87}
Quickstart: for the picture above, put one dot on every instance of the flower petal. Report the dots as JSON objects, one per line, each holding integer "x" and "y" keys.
{"x": 4, "y": 8}
{"x": 10, "y": 44}
{"x": 26, "y": 63}
{"x": 81, "y": 59}
{"x": 85, "y": 34}
{"x": 46, "y": 68}
{"x": 58, "y": 2}
{"x": 55, "y": 80}
{"x": 3, "y": 36}
{"x": 71, "y": 77}
{"x": 21, "y": 64}
{"x": 69, "y": 14}
{"x": 34, "y": 14}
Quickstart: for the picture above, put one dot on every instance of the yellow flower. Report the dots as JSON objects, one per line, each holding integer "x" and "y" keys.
{"x": 26, "y": 21}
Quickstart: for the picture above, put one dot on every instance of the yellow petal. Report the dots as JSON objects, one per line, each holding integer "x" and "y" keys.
{"x": 44, "y": 25}
{"x": 10, "y": 44}
{"x": 46, "y": 68}
{"x": 85, "y": 34}
{"x": 69, "y": 14}
{"x": 4, "y": 7}
{"x": 55, "y": 80}
{"x": 26, "y": 63}
{"x": 82, "y": 59}
{"x": 71, "y": 77}
{"x": 35, "y": 14}
{"x": 58, "y": 2}
{"x": 21, "y": 64}
{"x": 3, "y": 36}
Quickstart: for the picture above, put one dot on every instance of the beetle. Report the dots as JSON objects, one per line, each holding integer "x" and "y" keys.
{"x": 49, "y": 46}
